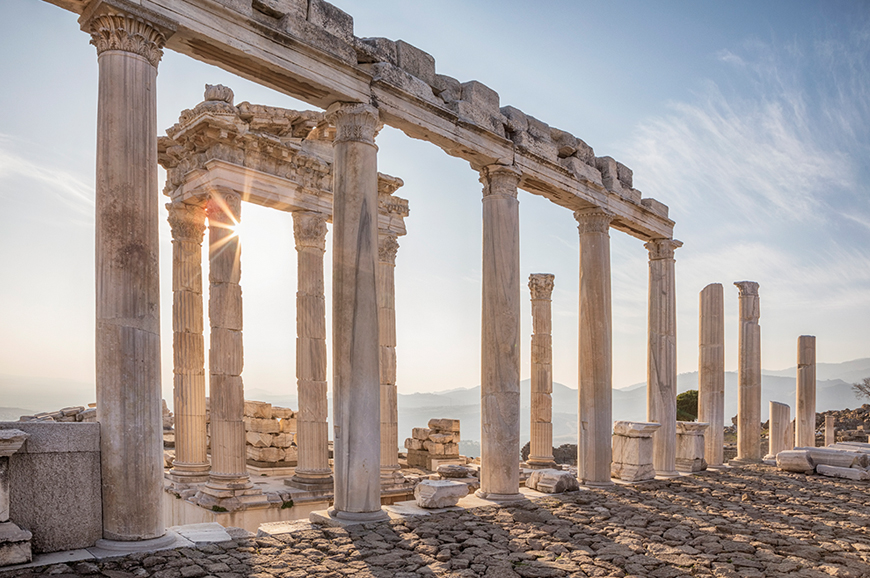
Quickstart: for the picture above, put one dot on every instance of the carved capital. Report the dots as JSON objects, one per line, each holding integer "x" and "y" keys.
{"x": 747, "y": 288}
{"x": 499, "y": 180}
{"x": 224, "y": 208}
{"x": 187, "y": 222}
{"x": 118, "y": 32}
{"x": 354, "y": 122}
{"x": 541, "y": 285}
{"x": 750, "y": 309}
{"x": 593, "y": 220}
{"x": 662, "y": 248}
{"x": 309, "y": 230}
{"x": 388, "y": 246}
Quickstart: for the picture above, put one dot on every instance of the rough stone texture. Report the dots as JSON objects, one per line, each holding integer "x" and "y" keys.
{"x": 416, "y": 62}
{"x": 55, "y": 478}
{"x": 795, "y": 461}
{"x": 439, "y": 493}
{"x": 856, "y": 474}
{"x": 430, "y": 446}
{"x": 14, "y": 545}
{"x": 551, "y": 481}
{"x": 690, "y": 446}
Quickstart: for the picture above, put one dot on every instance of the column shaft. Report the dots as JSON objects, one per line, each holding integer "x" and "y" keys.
{"x": 830, "y": 430}
{"x": 541, "y": 443}
{"x": 127, "y": 285}
{"x": 500, "y": 336}
{"x": 388, "y": 245}
{"x": 595, "y": 396}
{"x": 805, "y": 411}
{"x": 711, "y": 371}
{"x": 662, "y": 354}
{"x": 778, "y": 439}
{"x": 749, "y": 375}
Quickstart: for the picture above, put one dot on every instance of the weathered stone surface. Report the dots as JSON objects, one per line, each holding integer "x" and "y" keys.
{"x": 264, "y": 454}
{"x": 454, "y": 471}
{"x": 552, "y": 481}
{"x": 838, "y": 457}
{"x": 332, "y": 19}
{"x": 437, "y": 449}
{"x": 795, "y": 461}
{"x": 416, "y": 62}
{"x": 14, "y": 545}
{"x": 260, "y": 425}
{"x": 283, "y": 440}
{"x": 420, "y": 433}
{"x": 439, "y": 493}
{"x": 258, "y": 409}
{"x": 856, "y": 474}
{"x": 414, "y": 444}
{"x": 444, "y": 425}
{"x": 690, "y": 446}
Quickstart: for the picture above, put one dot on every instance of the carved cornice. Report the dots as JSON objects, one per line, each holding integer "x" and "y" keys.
{"x": 118, "y": 32}
{"x": 224, "y": 207}
{"x": 662, "y": 248}
{"x": 499, "y": 180}
{"x": 186, "y": 221}
{"x": 309, "y": 230}
{"x": 388, "y": 246}
{"x": 541, "y": 285}
{"x": 354, "y": 122}
{"x": 390, "y": 205}
{"x": 593, "y": 220}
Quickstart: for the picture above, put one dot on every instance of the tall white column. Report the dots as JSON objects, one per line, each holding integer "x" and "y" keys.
{"x": 595, "y": 397}
{"x": 356, "y": 381}
{"x": 805, "y": 411}
{"x": 191, "y": 465}
{"x": 541, "y": 444}
{"x": 388, "y": 245}
{"x": 127, "y": 285}
{"x": 312, "y": 469}
{"x": 500, "y": 336}
{"x": 711, "y": 371}
{"x": 749, "y": 376}
{"x": 662, "y": 354}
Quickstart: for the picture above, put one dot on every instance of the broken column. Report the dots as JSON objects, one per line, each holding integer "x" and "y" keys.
{"x": 14, "y": 541}
{"x": 662, "y": 353}
{"x": 749, "y": 376}
{"x": 356, "y": 380}
{"x": 778, "y": 432}
{"x": 541, "y": 444}
{"x": 127, "y": 276}
{"x": 187, "y": 222}
{"x": 805, "y": 411}
{"x": 633, "y": 451}
{"x": 595, "y": 396}
{"x": 830, "y": 431}
{"x": 312, "y": 469}
{"x": 690, "y": 446}
{"x": 500, "y": 336}
{"x": 388, "y": 246}
{"x": 711, "y": 371}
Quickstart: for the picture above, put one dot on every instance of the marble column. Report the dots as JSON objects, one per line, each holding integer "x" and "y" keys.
{"x": 229, "y": 478}
{"x": 500, "y": 336}
{"x": 127, "y": 345}
{"x": 187, "y": 222}
{"x": 749, "y": 375}
{"x": 356, "y": 381}
{"x": 541, "y": 444}
{"x": 595, "y": 397}
{"x": 805, "y": 409}
{"x": 778, "y": 432}
{"x": 830, "y": 430}
{"x": 388, "y": 245}
{"x": 711, "y": 371}
{"x": 312, "y": 439}
{"x": 661, "y": 372}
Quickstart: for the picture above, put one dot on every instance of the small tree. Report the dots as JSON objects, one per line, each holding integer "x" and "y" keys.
{"x": 687, "y": 405}
{"x": 862, "y": 388}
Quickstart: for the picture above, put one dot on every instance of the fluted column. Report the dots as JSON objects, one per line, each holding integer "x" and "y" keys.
{"x": 595, "y": 396}
{"x": 229, "y": 476}
{"x": 661, "y": 375}
{"x": 749, "y": 375}
{"x": 127, "y": 284}
{"x": 805, "y": 409}
{"x": 187, "y": 222}
{"x": 711, "y": 371}
{"x": 388, "y": 245}
{"x": 500, "y": 336}
{"x": 356, "y": 381}
{"x": 541, "y": 444}
{"x": 312, "y": 470}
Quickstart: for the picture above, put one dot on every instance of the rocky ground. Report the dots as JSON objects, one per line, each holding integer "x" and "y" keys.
{"x": 744, "y": 523}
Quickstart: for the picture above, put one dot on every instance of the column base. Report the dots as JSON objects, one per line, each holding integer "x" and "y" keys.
{"x": 14, "y": 545}
{"x": 168, "y": 540}
{"x": 336, "y": 518}
{"x": 189, "y": 474}
{"x": 541, "y": 463}
{"x": 312, "y": 480}
{"x": 739, "y": 462}
{"x": 667, "y": 474}
{"x": 228, "y": 493}
{"x": 502, "y": 498}
{"x": 595, "y": 484}
{"x": 718, "y": 466}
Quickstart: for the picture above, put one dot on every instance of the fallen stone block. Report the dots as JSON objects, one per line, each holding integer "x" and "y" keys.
{"x": 439, "y": 493}
{"x": 552, "y": 481}
{"x": 632, "y": 472}
{"x": 837, "y": 457}
{"x": 855, "y": 474}
{"x": 795, "y": 461}
{"x": 454, "y": 471}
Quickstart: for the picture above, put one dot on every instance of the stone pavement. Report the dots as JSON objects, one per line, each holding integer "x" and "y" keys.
{"x": 748, "y": 522}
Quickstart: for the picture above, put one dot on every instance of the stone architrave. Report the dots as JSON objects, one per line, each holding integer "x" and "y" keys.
{"x": 633, "y": 451}
{"x": 388, "y": 246}
{"x": 690, "y": 446}
{"x": 830, "y": 430}
{"x": 778, "y": 432}
{"x": 500, "y": 336}
{"x": 14, "y": 541}
{"x": 595, "y": 397}
{"x": 662, "y": 353}
{"x": 312, "y": 469}
{"x": 711, "y": 371}
{"x": 541, "y": 444}
{"x": 356, "y": 382}
{"x": 805, "y": 410}
{"x": 187, "y": 222}
{"x": 127, "y": 276}
{"x": 749, "y": 376}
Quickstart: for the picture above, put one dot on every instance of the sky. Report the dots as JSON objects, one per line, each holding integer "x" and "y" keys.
{"x": 750, "y": 120}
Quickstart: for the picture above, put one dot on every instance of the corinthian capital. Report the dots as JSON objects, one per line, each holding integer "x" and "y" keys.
{"x": 128, "y": 34}
{"x": 388, "y": 246}
{"x": 499, "y": 180}
{"x": 593, "y": 220}
{"x": 309, "y": 230}
{"x": 662, "y": 248}
{"x": 224, "y": 208}
{"x": 541, "y": 285}
{"x": 187, "y": 222}
{"x": 354, "y": 122}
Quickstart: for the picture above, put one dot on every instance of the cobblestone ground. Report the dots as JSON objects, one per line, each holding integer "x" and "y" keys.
{"x": 743, "y": 523}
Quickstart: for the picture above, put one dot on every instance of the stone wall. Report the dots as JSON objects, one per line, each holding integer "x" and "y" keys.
{"x": 55, "y": 484}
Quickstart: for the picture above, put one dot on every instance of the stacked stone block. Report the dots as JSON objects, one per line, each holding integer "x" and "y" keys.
{"x": 430, "y": 447}
{"x": 270, "y": 434}
{"x": 80, "y": 413}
